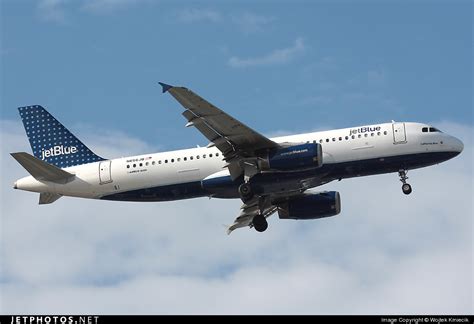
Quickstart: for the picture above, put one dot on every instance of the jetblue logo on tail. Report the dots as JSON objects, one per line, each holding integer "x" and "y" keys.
{"x": 58, "y": 150}
{"x": 52, "y": 142}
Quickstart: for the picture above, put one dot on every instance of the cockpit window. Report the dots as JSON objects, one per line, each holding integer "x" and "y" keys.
{"x": 430, "y": 129}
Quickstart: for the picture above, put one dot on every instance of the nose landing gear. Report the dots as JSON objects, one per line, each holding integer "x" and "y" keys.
{"x": 406, "y": 188}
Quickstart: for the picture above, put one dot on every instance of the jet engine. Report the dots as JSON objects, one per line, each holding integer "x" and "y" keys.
{"x": 311, "y": 206}
{"x": 294, "y": 157}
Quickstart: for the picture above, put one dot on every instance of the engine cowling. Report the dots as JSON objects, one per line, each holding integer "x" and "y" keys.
{"x": 294, "y": 157}
{"x": 311, "y": 206}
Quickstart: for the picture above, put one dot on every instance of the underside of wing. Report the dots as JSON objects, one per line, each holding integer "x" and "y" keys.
{"x": 257, "y": 206}
{"x": 302, "y": 206}
{"x": 275, "y": 176}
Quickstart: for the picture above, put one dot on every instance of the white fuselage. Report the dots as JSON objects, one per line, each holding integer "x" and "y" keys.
{"x": 359, "y": 144}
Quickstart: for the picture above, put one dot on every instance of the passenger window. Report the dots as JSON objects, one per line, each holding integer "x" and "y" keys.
{"x": 327, "y": 140}
{"x": 172, "y": 160}
{"x": 197, "y": 157}
{"x": 365, "y": 135}
{"x": 210, "y": 155}
{"x": 166, "y": 161}
{"x": 372, "y": 134}
{"x": 141, "y": 164}
{"x": 385, "y": 133}
{"x": 159, "y": 162}
{"x": 347, "y": 137}
{"x": 204, "y": 156}
{"x": 185, "y": 158}
{"x": 128, "y": 166}
{"x": 314, "y": 141}
{"x": 333, "y": 139}
{"x": 191, "y": 158}
{"x": 378, "y": 133}
{"x": 178, "y": 159}
{"x": 359, "y": 136}
{"x": 134, "y": 165}
{"x": 146, "y": 164}
{"x": 353, "y": 137}
{"x": 217, "y": 154}
{"x": 153, "y": 162}
{"x": 320, "y": 141}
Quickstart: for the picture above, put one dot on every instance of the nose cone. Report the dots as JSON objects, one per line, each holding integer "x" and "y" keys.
{"x": 458, "y": 145}
{"x": 15, "y": 186}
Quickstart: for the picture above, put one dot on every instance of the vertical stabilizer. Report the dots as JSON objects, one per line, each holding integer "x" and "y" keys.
{"x": 51, "y": 141}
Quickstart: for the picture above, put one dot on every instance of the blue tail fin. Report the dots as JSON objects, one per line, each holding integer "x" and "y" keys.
{"x": 51, "y": 141}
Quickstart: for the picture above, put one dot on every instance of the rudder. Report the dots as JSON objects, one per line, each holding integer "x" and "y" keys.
{"x": 51, "y": 141}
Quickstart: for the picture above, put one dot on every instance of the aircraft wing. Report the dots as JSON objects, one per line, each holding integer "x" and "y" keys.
{"x": 266, "y": 205}
{"x": 233, "y": 138}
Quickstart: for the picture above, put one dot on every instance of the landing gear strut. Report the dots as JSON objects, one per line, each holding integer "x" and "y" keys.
{"x": 245, "y": 192}
{"x": 406, "y": 188}
{"x": 260, "y": 223}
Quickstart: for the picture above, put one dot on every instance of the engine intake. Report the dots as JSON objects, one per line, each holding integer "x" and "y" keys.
{"x": 295, "y": 157}
{"x": 311, "y": 206}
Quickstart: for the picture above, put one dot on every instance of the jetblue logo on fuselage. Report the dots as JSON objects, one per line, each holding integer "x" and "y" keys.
{"x": 58, "y": 150}
{"x": 367, "y": 129}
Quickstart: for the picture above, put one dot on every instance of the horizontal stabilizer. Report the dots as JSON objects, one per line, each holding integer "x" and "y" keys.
{"x": 48, "y": 198}
{"x": 41, "y": 170}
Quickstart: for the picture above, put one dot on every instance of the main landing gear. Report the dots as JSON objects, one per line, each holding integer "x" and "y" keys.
{"x": 260, "y": 223}
{"x": 245, "y": 192}
{"x": 406, "y": 188}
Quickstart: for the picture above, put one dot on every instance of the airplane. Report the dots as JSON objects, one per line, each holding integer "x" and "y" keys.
{"x": 269, "y": 175}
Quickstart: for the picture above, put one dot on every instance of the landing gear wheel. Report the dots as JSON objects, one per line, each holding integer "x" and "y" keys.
{"x": 406, "y": 188}
{"x": 260, "y": 223}
{"x": 245, "y": 192}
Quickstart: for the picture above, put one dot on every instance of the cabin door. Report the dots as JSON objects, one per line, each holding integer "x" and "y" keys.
{"x": 105, "y": 172}
{"x": 399, "y": 133}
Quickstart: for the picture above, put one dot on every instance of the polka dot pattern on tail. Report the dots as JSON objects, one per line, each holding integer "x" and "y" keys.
{"x": 51, "y": 141}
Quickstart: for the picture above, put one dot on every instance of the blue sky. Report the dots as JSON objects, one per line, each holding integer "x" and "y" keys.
{"x": 280, "y": 67}
{"x": 307, "y": 64}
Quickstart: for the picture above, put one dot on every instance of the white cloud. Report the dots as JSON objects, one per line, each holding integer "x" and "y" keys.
{"x": 52, "y": 10}
{"x": 278, "y": 56}
{"x": 192, "y": 15}
{"x": 250, "y": 22}
{"x": 56, "y": 10}
{"x": 385, "y": 253}
{"x": 106, "y": 6}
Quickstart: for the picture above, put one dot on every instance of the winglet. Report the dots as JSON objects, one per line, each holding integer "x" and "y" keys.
{"x": 165, "y": 86}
